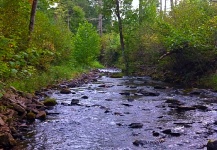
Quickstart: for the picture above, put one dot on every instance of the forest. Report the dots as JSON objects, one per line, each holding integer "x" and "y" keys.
{"x": 166, "y": 51}
{"x": 176, "y": 43}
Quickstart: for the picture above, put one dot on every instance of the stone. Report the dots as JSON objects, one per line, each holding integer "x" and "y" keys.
{"x": 196, "y": 92}
{"x": 139, "y": 142}
{"x": 212, "y": 145}
{"x": 65, "y": 91}
{"x": 30, "y": 116}
{"x": 125, "y": 104}
{"x": 125, "y": 93}
{"x": 167, "y": 131}
{"x": 18, "y": 108}
{"x": 84, "y": 97}
{"x": 148, "y": 93}
{"x": 154, "y": 133}
{"x": 173, "y": 101}
{"x": 7, "y": 140}
{"x": 2, "y": 122}
{"x": 201, "y": 107}
{"x": 75, "y": 101}
{"x": 41, "y": 115}
{"x": 136, "y": 125}
{"x": 185, "y": 108}
{"x": 102, "y": 85}
{"x": 159, "y": 87}
{"x": 108, "y": 99}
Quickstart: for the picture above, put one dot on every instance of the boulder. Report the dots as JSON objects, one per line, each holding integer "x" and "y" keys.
{"x": 212, "y": 145}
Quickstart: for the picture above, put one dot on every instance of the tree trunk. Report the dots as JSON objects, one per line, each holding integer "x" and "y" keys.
{"x": 121, "y": 37}
{"x": 161, "y": 5}
{"x": 100, "y": 19}
{"x": 171, "y": 4}
{"x": 32, "y": 17}
{"x": 165, "y": 6}
{"x": 140, "y": 11}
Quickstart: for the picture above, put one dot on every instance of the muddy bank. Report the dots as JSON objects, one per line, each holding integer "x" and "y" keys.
{"x": 19, "y": 110}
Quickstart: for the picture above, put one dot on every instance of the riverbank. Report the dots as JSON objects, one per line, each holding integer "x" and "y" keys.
{"x": 19, "y": 109}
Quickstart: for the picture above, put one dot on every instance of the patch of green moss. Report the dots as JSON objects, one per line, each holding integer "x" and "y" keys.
{"x": 30, "y": 116}
{"x": 117, "y": 75}
{"x": 49, "y": 102}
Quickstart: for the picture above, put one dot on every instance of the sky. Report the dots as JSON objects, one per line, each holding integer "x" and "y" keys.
{"x": 135, "y": 3}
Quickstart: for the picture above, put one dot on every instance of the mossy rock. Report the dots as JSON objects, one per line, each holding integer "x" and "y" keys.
{"x": 49, "y": 102}
{"x": 116, "y": 75}
{"x": 30, "y": 116}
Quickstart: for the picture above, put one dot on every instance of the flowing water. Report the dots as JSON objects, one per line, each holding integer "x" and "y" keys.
{"x": 166, "y": 117}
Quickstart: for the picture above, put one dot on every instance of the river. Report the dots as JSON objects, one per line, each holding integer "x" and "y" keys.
{"x": 128, "y": 113}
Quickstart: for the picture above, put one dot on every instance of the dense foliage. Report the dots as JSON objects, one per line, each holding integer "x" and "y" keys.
{"x": 50, "y": 45}
{"x": 177, "y": 44}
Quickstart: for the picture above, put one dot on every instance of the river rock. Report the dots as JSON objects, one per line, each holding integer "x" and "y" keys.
{"x": 201, "y": 107}
{"x": 148, "y": 93}
{"x": 136, "y": 125}
{"x": 125, "y": 104}
{"x": 159, "y": 87}
{"x": 125, "y": 93}
{"x": 185, "y": 108}
{"x": 65, "y": 91}
{"x": 139, "y": 142}
{"x": 75, "y": 101}
{"x": 7, "y": 140}
{"x": 84, "y": 97}
{"x": 154, "y": 133}
{"x": 41, "y": 115}
{"x": 2, "y": 121}
{"x": 169, "y": 132}
{"x": 19, "y": 109}
{"x": 212, "y": 145}
{"x": 197, "y": 92}
{"x": 102, "y": 85}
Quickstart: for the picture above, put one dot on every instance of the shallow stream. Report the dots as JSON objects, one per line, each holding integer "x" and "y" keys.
{"x": 129, "y": 113}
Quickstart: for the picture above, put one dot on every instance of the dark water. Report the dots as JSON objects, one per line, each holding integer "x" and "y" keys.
{"x": 102, "y": 121}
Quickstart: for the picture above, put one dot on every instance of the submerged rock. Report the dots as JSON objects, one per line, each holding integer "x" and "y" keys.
{"x": 84, "y": 97}
{"x": 148, "y": 93}
{"x": 75, "y": 101}
{"x": 186, "y": 108}
{"x": 139, "y": 142}
{"x": 136, "y": 125}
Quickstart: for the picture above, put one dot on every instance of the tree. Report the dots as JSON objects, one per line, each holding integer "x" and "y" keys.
{"x": 87, "y": 44}
{"x": 120, "y": 26}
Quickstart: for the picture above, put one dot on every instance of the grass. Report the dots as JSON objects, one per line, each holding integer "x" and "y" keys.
{"x": 42, "y": 79}
{"x": 210, "y": 81}
{"x": 54, "y": 75}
